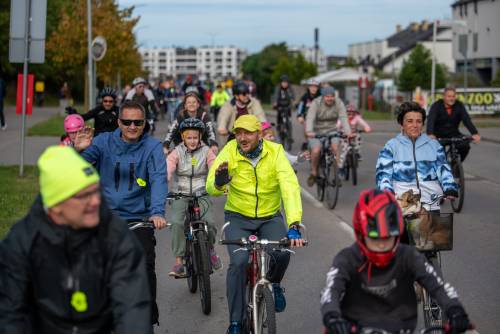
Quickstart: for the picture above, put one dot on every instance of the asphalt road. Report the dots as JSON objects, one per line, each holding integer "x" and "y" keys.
{"x": 473, "y": 266}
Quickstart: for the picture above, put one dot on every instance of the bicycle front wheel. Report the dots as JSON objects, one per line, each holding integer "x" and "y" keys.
{"x": 433, "y": 314}
{"x": 332, "y": 185}
{"x": 203, "y": 271}
{"x": 190, "y": 270}
{"x": 354, "y": 167}
{"x": 289, "y": 134}
{"x": 458, "y": 173}
{"x": 321, "y": 179}
{"x": 266, "y": 315}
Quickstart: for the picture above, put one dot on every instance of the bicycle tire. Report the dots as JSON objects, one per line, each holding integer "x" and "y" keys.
{"x": 458, "y": 174}
{"x": 354, "y": 168}
{"x": 433, "y": 314}
{"x": 265, "y": 311}
{"x": 320, "y": 179}
{"x": 203, "y": 271}
{"x": 248, "y": 319}
{"x": 289, "y": 134}
{"x": 347, "y": 166}
{"x": 332, "y": 185}
{"x": 192, "y": 281}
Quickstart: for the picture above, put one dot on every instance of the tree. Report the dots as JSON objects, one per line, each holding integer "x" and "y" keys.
{"x": 417, "y": 71}
{"x": 67, "y": 46}
{"x": 496, "y": 82}
{"x": 267, "y": 66}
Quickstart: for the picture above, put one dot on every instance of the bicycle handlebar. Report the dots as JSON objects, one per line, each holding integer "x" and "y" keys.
{"x": 197, "y": 194}
{"x": 445, "y": 141}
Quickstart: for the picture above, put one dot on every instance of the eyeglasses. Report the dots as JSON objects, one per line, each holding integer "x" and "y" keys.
{"x": 87, "y": 196}
{"x": 128, "y": 122}
{"x": 108, "y": 101}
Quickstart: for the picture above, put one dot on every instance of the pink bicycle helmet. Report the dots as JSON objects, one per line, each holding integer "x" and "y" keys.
{"x": 265, "y": 125}
{"x": 73, "y": 123}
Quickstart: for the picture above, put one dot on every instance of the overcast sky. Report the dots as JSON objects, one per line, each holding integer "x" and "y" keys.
{"x": 253, "y": 24}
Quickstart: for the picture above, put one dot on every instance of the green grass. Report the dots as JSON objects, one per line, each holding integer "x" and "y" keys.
{"x": 17, "y": 194}
{"x": 377, "y": 115}
{"x": 53, "y": 126}
{"x": 487, "y": 124}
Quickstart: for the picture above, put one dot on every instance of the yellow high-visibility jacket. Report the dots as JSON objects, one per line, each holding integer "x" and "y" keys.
{"x": 256, "y": 192}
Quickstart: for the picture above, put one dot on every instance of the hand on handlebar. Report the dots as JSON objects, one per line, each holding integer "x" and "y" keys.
{"x": 158, "y": 221}
{"x": 451, "y": 194}
{"x": 295, "y": 236}
{"x": 336, "y": 325}
{"x": 458, "y": 320}
{"x": 476, "y": 138}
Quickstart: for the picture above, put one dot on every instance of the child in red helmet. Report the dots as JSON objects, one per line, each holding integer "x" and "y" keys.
{"x": 371, "y": 283}
{"x": 72, "y": 124}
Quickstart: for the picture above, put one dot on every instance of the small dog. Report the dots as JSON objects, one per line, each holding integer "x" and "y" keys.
{"x": 424, "y": 227}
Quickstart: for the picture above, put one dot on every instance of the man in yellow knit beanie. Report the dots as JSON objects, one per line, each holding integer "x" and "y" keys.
{"x": 70, "y": 265}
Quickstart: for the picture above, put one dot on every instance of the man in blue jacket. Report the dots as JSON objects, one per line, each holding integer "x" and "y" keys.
{"x": 132, "y": 168}
{"x": 413, "y": 160}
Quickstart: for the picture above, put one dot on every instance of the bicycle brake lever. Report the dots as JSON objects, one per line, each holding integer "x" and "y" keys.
{"x": 240, "y": 249}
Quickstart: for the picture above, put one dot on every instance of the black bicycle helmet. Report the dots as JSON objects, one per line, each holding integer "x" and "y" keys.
{"x": 284, "y": 78}
{"x": 192, "y": 124}
{"x": 407, "y": 107}
{"x": 108, "y": 91}
{"x": 240, "y": 87}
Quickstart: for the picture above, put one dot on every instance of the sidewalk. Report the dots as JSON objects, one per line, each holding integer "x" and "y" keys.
{"x": 10, "y": 139}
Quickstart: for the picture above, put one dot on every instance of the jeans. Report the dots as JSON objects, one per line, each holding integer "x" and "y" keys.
{"x": 147, "y": 239}
{"x": 272, "y": 228}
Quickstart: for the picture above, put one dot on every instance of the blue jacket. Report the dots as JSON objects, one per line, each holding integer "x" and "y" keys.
{"x": 396, "y": 162}
{"x": 133, "y": 176}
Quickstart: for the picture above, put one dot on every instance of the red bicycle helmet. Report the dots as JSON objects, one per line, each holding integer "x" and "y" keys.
{"x": 377, "y": 215}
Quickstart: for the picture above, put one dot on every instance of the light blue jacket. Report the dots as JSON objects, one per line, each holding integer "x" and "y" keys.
{"x": 396, "y": 163}
{"x": 133, "y": 176}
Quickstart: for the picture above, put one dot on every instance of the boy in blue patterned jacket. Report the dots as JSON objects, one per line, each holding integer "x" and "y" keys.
{"x": 396, "y": 162}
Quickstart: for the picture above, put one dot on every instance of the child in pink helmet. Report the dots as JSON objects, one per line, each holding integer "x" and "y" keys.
{"x": 72, "y": 124}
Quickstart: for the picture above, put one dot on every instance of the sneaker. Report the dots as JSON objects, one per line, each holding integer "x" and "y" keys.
{"x": 178, "y": 271}
{"x": 4, "y": 127}
{"x": 279, "y": 298}
{"x": 341, "y": 173}
{"x": 235, "y": 328}
{"x": 311, "y": 180}
{"x": 360, "y": 158}
{"x": 215, "y": 260}
{"x": 305, "y": 146}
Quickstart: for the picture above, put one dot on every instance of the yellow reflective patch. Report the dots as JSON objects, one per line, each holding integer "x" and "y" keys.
{"x": 141, "y": 182}
{"x": 193, "y": 161}
{"x": 79, "y": 301}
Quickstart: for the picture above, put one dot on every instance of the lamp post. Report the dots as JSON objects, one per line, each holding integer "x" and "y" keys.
{"x": 90, "y": 71}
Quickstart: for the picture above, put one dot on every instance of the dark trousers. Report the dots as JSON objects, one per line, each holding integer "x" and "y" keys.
{"x": 147, "y": 238}
{"x": 272, "y": 228}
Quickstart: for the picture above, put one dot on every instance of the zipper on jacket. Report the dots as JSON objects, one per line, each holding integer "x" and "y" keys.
{"x": 131, "y": 176}
{"x": 416, "y": 167}
{"x": 256, "y": 187}
{"x": 117, "y": 176}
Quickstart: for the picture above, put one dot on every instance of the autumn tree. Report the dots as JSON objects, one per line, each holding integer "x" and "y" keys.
{"x": 67, "y": 45}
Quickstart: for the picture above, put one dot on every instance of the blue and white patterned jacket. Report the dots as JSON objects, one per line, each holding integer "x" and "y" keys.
{"x": 396, "y": 162}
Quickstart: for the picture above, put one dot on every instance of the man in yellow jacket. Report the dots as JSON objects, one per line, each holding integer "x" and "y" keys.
{"x": 257, "y": 176}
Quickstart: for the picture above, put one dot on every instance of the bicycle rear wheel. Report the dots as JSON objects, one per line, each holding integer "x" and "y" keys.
{"x": 354, "y": 167}
{"x": 266, "y": 315}
{"x": 332, "y": 185}
{"x": 433, "y": 314}
{"x": 190, "y": 270}
{"x": 458, "y": 173}
{"x": 203, "y": 271}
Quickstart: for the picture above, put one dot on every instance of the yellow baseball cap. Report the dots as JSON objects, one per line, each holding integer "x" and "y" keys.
{"x": 248, "y": 122}
{"x": 63, "y": 173}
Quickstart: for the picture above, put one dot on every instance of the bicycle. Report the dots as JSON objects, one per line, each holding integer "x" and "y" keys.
{"x": 285, "y": 132}
{"x": 328, "y": 179}
{"x": 431, "y": 241}
{"x": 457, "y": 168}
{"x": 351, "y": 162}
{"x": 197, "y": 257}
{"x": 260, "y": 314}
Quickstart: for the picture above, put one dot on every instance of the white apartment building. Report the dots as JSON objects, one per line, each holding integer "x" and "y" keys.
{"x": 310, "y": 55}
{"x": 205, "y": 62}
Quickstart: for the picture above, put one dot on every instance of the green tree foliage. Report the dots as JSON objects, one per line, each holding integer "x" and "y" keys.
{"x": 417, "y": 71}
{"x": 496, "y": 82}
{"x": 274, "y": 60}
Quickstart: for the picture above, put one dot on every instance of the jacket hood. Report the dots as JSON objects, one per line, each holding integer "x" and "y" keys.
{"x": 123, "y": 147}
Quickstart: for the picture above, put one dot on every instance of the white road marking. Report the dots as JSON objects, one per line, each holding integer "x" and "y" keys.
{"x": 347, "y": 228}
{"x": 311, "y": 198}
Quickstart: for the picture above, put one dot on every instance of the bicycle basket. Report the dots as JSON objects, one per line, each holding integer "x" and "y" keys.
{"x": 431, "y": 231}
